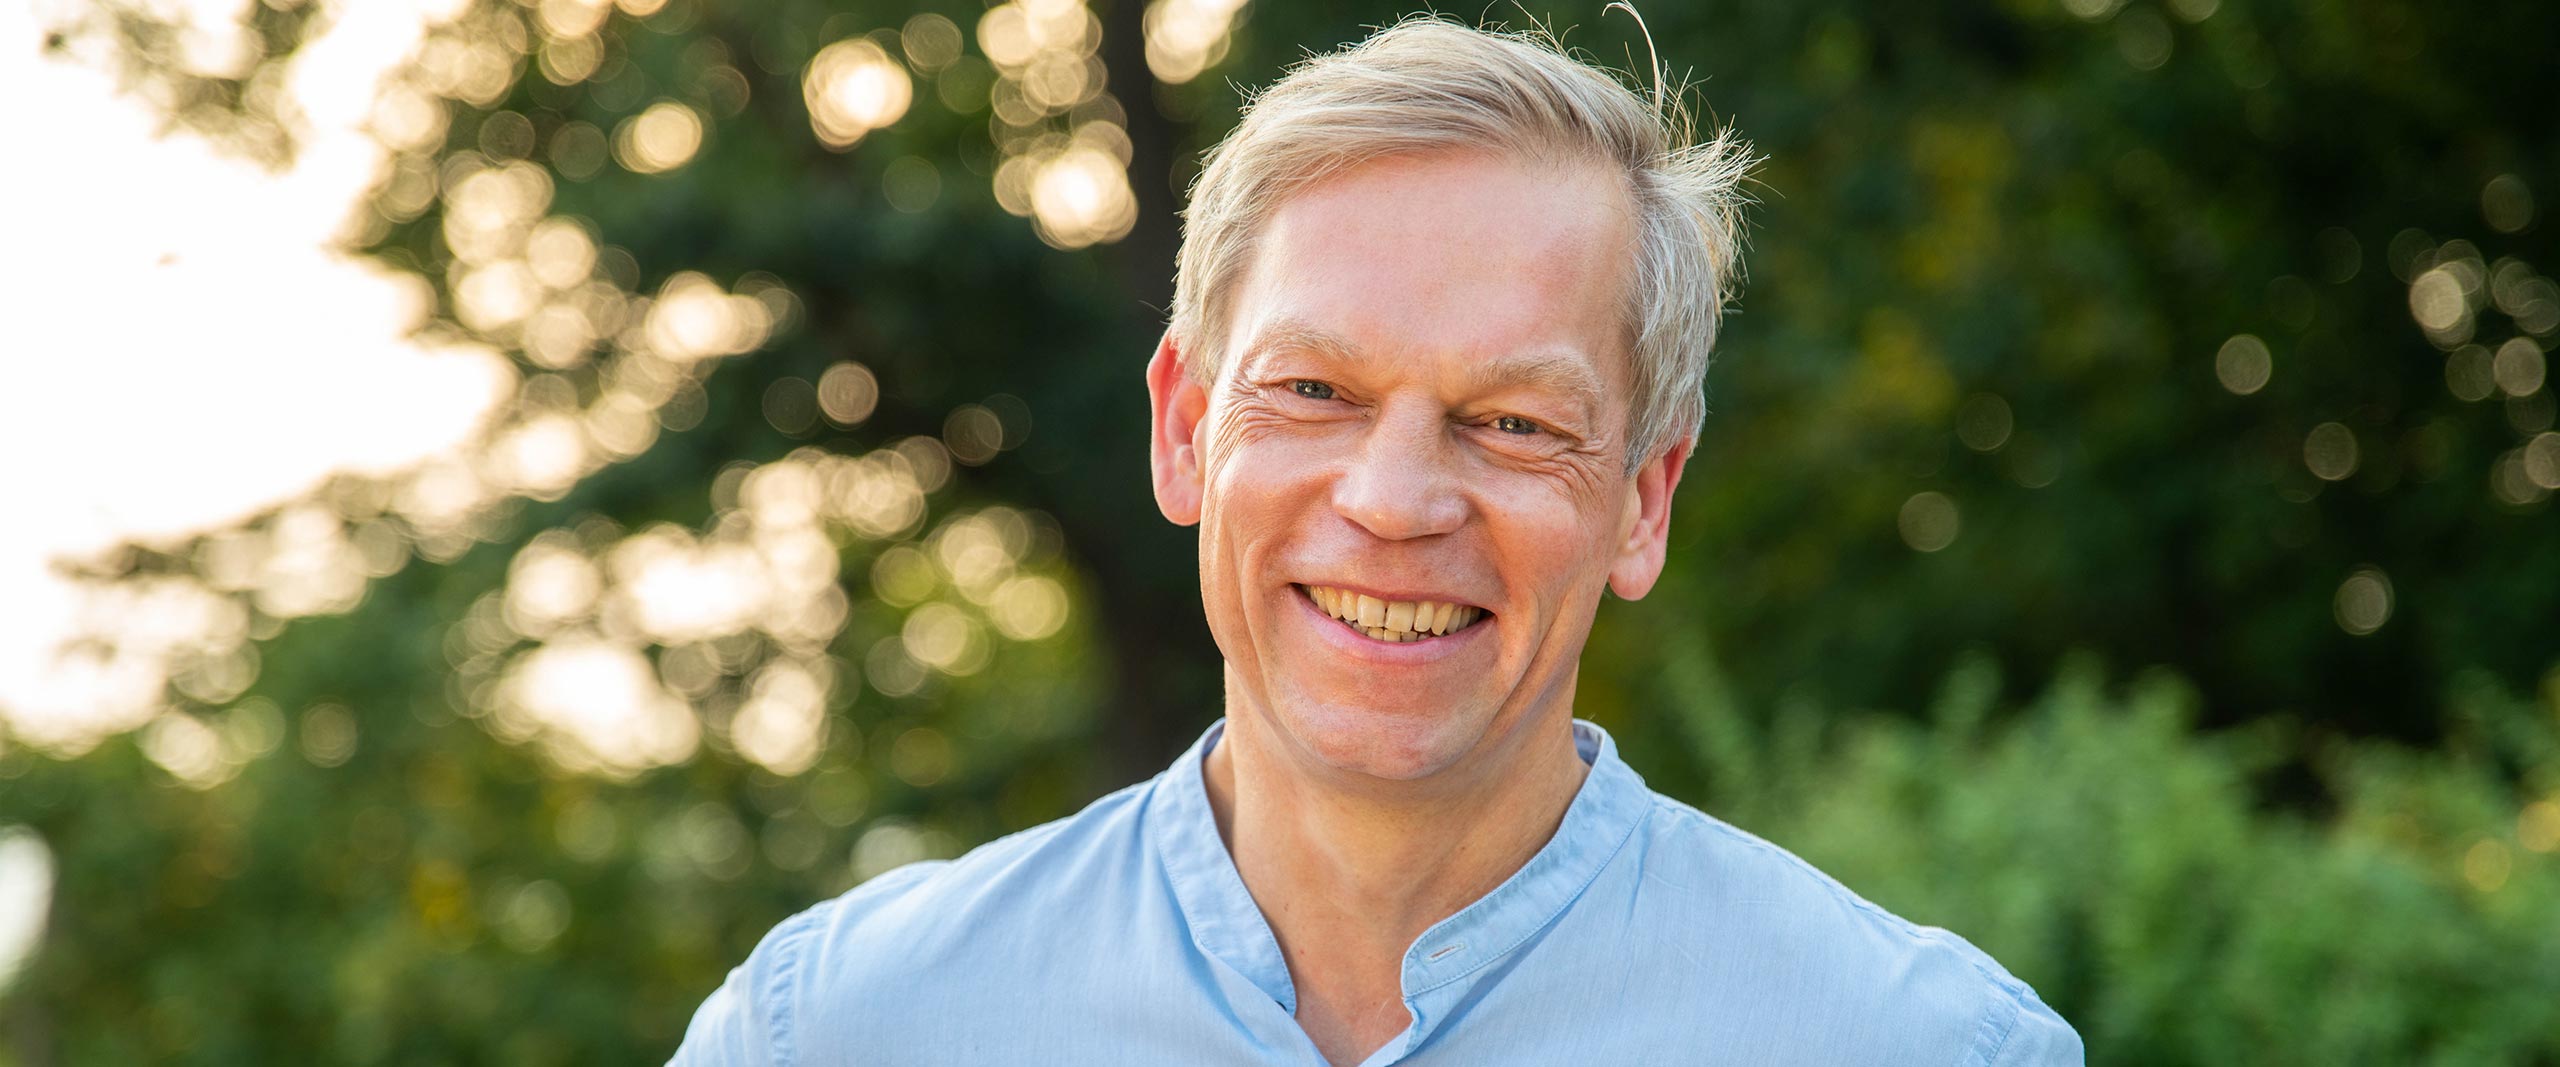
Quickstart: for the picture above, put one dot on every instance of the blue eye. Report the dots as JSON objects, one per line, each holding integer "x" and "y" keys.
{"x": 1514, "y": 424}
{"x": 1311, "y": 389}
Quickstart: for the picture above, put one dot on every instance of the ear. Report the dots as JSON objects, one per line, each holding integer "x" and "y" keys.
{"x": 1178, "y": 404}
{"x": 1646, "y": 524}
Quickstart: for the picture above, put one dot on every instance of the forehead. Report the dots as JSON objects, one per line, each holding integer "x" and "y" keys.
{"x": 1458, "y": 257}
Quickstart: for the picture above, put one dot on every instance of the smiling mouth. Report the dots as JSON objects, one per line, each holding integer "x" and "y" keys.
{"x": 1392, "y": 621}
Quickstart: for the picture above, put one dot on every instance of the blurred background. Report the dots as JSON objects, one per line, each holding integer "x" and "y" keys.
{"x": 508, "y": 499}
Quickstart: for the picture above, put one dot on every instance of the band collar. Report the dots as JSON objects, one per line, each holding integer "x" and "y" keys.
{"x": 1441, "y": 964}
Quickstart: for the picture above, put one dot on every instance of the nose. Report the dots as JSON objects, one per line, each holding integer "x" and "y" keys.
{"x": 1400, "y": 482}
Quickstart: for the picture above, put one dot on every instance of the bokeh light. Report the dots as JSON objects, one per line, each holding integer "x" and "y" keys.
{"x": 1185, "y": 37}
{"x": 2540, "y": 458}
{"x": 2538, "y": 826}
{"x": 535, "y": 915}
{"x": 889, "y": 844}
{"x": 2143, "y": 38}
{"x": 572, "y": 18}
{"x": 973, "y": 434}
{"x": 2330, "y": 451}
{"x": 921, "y": 757}
{"x": 847, "y": 393}
{"x": 940, "y": 636}
{"x": 2487, "y": 864}
{"x": 911, "y": 183}
{"x": 852, "y": 88}
{"x": 595, "y": 706}
{"x": 2467, "y": 373}
{"x": 1075, "y": 190}
{"x": 2436, "y": 300}
{"x": 902, "y": 576}
{"x": 570, "y": 60}
{"x": 2363, "y": 602}
{"x": 2511, "y": 482}
{"x": 2518, "y": 367}
{"x": 782, "y": 726}
{"x": 1062, "y": 141}
{"x": 2243, "y": 365}
{"x": 791, "y": 405}
{"x": 2507, "y": 204}
{"x": 1983, "y": 422}
{"x": 1929, "y": 521}
{"x": 26, "y": 896}
{"x": 328, "y": 735}
{"x": 658, "y": 140}
{"x": 749, "y": 606}
{"x": 692, "y": 319}
{"x": 931, "y": 41}
{"x": 1080, "y": 196}
{"x": 1029, "y": 608}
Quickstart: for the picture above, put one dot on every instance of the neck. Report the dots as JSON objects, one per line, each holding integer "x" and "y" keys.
{"x": 1350, "y": 872}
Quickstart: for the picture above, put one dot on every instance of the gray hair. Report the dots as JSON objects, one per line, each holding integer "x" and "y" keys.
{"x": 1425, "y": 84}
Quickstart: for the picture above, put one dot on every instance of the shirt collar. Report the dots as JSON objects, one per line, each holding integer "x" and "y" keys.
{"x": 1215, "y": 904}
{"x": 1225, "y": 923}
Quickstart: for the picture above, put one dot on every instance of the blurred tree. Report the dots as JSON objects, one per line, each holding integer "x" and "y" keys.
{"x": 2159, "y": 329}
{"x": 2200, "y": 334}
{"x": 2196, "y": 333}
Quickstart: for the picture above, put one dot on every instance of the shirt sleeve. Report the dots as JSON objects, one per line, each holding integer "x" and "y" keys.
{"x": 2039, "y": 1038}
{"x": 747, "y": 1022}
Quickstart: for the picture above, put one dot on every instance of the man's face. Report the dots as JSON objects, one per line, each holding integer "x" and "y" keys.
{"x": 1424, "y": 403}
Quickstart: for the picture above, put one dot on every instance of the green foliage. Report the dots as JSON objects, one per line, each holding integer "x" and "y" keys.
{"x": 1999, "y": 251}
{"x": 445, "y": 896}
{"x": 2118, "y": 861}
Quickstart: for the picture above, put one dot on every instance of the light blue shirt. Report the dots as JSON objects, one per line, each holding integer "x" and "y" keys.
{"x": 1645, "y": 932}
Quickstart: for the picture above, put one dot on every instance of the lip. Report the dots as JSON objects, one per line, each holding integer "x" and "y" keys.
{"x": 1354, "y": 644}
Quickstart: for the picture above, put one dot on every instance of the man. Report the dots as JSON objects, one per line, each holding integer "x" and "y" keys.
{"x": 1442, "y": 316}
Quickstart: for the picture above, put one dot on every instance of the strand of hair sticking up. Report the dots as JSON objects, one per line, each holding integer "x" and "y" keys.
{"x": 1652, "y": 57}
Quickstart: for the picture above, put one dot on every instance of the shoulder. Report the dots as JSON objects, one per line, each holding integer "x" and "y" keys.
{"x": 1813, "y": 942}
{"x": 839, "y": 955}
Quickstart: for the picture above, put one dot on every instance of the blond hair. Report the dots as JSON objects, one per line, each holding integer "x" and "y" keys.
{"x": 1425, "y": 84}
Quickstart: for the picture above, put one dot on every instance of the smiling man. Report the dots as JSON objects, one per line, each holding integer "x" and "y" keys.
{"x": 1441, "y": 322}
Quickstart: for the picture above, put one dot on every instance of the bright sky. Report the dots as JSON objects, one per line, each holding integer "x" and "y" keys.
{"x": 181, "y": 348}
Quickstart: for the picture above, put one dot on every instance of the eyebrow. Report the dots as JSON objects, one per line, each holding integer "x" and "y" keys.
{"x": 1548, "y": 371}
{"x": 1291, "y": 335}
{"x": 1551, "y": 371}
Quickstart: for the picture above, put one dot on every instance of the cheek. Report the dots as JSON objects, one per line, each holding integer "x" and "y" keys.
{"x": 1549, "y": 534}
{"x": 1253, "y": 456}
{"x": 1258, "y": 477}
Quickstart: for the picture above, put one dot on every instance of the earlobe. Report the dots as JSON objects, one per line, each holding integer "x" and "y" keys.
{"x": 1176, "y": 405}
{"x": 1642, "y": 551}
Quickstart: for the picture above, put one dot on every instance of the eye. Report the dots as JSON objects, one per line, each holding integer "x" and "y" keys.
{"x": 1514, "y": 424}
{"x": 1311, "y": 389}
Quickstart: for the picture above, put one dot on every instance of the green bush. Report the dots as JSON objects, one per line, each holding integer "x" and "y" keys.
{"x": 2125, "y": 864}
{"x": 2128, "y": 868}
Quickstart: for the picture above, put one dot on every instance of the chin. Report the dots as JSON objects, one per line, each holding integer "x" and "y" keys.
{"x": 1392, "y": 744}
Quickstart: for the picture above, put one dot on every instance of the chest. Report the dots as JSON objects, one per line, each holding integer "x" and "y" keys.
{"x": 1122, "y": 1007}
{"x": 1348, "y": 1019}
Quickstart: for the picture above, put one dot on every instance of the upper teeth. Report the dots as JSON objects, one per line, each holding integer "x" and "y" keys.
{"x": 1393, "y": 620}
